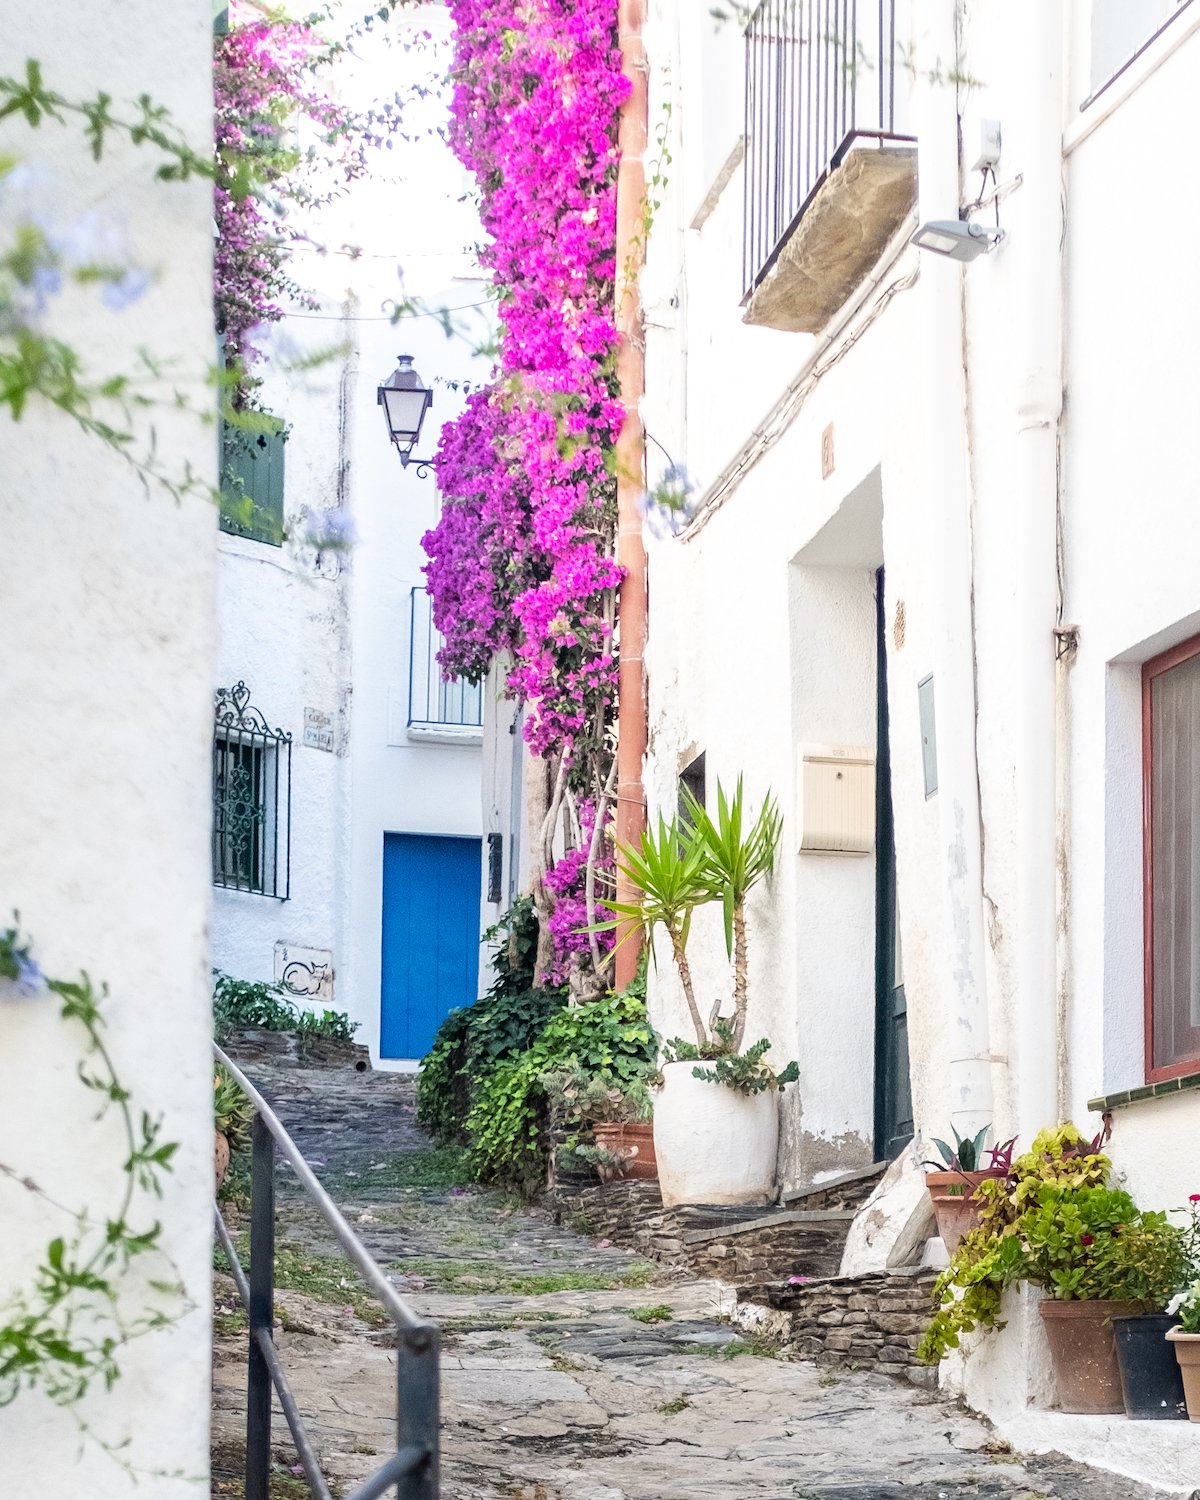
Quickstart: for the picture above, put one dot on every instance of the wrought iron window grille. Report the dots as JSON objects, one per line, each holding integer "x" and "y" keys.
{"x": 252, "y": 798}
{"x": 411, "y": 1472}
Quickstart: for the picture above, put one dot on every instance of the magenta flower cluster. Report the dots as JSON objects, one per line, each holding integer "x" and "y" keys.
{"x": 569, "y": 920}
{"x": 263, "y": 76}
{"x": 521, "y": 560}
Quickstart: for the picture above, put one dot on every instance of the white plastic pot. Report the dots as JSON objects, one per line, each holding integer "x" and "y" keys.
{"x": 713, "y": 1144}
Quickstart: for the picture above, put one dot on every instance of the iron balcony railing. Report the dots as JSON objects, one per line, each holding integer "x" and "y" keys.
{"x": 819, "y": 73}
{"x": 436, "y": 702}
{"x": 413, "y": 1468}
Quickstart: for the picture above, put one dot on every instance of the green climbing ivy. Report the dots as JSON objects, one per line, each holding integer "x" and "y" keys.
{"x": 63, "y": 1333}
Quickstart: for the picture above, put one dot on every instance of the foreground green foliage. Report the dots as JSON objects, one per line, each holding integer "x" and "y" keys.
{"x": 64, "y": 1333}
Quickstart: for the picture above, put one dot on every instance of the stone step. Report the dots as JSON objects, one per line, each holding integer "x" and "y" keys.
{"x": 848, "y": 1190}
{"x": 751, "y": 1243}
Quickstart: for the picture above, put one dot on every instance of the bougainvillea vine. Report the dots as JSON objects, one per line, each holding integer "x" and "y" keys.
{"x": 521, "y": 562}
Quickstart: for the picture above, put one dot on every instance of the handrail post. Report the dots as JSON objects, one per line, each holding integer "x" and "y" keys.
{"x": 417, "y": 1382}
{"x": 262, "y": 1311}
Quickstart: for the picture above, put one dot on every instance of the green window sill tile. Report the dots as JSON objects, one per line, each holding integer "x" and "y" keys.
{"x": 1147, "y": 1091}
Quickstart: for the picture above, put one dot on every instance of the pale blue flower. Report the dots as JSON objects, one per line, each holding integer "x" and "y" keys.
{"x": 125, "y": 290}
{"x": 668, "y": 507}
{"x": 30, "y": 980}
{"x": 333, "y": 531}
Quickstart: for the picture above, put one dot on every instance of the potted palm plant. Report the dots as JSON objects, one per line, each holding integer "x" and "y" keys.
{"x": 716, "y": 1127}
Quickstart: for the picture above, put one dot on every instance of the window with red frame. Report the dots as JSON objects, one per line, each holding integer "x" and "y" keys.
{"x": 1171, "y": 758}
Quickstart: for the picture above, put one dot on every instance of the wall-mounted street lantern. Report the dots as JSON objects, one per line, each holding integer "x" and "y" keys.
{"x": 405, "y": 401}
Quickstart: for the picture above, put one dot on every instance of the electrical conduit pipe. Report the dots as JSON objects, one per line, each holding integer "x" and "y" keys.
{"x": 631, "y": 456}
{"x": 1036, "y": 248}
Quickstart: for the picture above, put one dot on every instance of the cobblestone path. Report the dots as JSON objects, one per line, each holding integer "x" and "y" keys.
{"x": 571, "y": 1370}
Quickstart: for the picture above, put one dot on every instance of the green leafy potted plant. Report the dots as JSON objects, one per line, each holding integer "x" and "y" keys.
{"x": 1151, "y": 1264}
{"x": 619, "y": 1114}
{"x": 953, "y": 1182}
{"x": 716, "y": 1128}
{"x": 1052, "y": 1222}
{"x": 232, "y": 1114}
{"x": 1184, "y": 1308}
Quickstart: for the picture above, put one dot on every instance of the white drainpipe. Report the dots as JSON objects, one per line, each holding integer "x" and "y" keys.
{"x": 1035, "y": 244}
{"x": 945, "y": 476}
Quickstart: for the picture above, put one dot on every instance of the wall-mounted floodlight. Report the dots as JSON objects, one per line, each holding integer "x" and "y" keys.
{"x": 957, "y": 239}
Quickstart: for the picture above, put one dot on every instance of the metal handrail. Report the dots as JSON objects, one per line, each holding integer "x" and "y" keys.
{"x": 413, "y": 1468}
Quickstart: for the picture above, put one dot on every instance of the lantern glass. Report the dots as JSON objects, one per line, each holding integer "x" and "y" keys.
{"x": 405, "y": 411}
{"x": 405, "y": 400}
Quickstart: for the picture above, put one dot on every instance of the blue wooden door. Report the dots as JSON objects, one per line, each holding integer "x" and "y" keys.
{"x": 430, "y": 937}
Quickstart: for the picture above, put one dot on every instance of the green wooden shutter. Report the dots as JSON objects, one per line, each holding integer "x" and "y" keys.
{"x": 252, "y": 484}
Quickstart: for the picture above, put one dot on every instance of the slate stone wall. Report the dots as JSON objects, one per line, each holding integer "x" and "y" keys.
{"x": 872, "y": 1322}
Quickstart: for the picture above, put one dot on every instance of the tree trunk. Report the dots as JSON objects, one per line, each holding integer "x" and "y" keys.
{"x": 739, "y": 978}
{"x": 689, "y": 993}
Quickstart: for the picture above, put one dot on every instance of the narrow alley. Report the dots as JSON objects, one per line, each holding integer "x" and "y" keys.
{"x": 571, "y": 1370}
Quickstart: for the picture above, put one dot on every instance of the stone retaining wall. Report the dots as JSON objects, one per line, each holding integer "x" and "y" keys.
{"x": 286, "y": 1049}
{"x": 875, "y": 1321}
{"x": 736, "y": 1245}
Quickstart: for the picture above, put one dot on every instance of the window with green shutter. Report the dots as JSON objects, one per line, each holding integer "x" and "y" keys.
{"x": 252, "y": 483}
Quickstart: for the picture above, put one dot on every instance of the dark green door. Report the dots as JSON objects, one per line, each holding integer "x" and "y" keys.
{"x": 893, "y": 1091}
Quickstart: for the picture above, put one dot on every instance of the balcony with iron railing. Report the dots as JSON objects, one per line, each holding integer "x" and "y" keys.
{"x": 440, "y": 708}
{"x": 831, "y": 172}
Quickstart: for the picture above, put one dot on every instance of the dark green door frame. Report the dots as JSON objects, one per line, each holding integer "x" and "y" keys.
{"x": 893, "y": 1091}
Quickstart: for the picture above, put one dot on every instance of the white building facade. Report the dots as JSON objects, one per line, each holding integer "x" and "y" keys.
{"x": 938, "y": 592}
{"x": 372, "y": 904}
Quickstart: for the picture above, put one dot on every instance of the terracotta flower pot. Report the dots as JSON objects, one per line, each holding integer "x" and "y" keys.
{"x": 1083, "y": 1351}
{"x": 1187, "y": 1352}
{"x": 954, "y": 1203}
{"x": 220, "y": 1157}
{"x": 621, "y": 1138}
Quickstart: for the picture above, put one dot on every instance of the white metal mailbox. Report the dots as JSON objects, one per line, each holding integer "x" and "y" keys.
{"x": 836, "y": 799}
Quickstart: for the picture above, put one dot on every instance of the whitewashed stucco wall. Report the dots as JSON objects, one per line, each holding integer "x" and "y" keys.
{"x": 107, "y": 619}
{"x": 1131, "y": 532}
{"x": 723, "y": 662}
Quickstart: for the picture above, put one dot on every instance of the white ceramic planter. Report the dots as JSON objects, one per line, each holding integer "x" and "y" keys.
{"x": 713, "y": 1144}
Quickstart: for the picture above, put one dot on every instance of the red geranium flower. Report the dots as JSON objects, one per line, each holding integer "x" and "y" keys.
{"x": 1087, "y": 1239}
{"x": 1195, "y": 1198}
